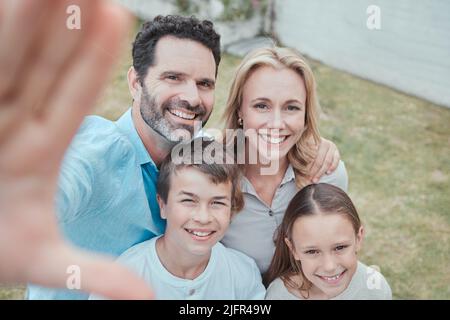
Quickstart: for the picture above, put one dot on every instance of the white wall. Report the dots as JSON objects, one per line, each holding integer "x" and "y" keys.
{"x": 230, "y": 32}
{"x": 411, "y": 51}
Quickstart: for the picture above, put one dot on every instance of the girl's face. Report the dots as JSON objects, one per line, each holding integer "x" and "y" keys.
{"x": 327, "y": 246}
{"x": 273, "y": 107}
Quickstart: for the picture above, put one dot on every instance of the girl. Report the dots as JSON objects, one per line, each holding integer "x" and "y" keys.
{"x": 316, "y": 251}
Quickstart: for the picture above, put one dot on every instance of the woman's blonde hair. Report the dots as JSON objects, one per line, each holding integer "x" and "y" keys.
{"x": 303, "y": 152}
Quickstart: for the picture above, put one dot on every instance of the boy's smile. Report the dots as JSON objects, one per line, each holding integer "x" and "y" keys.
{"x": 200, "y": 234}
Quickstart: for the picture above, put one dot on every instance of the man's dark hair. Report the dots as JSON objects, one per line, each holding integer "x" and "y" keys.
{"x": 172, "y": 25}
{"x": 197, "y": 154}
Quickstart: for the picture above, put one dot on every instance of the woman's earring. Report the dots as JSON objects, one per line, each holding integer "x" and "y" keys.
{"x": 240, "y": 122}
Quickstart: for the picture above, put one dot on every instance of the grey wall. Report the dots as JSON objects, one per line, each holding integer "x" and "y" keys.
{"x": 230, "y": 32}
{"x": 411, "y": 51}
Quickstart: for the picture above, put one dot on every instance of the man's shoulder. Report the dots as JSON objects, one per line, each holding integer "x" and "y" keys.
{"x": 101, "y": 141}
{"x": 97, "y": 125}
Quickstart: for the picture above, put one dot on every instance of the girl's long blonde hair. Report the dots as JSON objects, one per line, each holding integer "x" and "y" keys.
{"x": 303, "y": 152}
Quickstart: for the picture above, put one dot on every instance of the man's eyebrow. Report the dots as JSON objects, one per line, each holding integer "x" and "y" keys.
{"x": 172, "y": 73}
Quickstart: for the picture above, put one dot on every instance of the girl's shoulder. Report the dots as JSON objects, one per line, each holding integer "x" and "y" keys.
{"x": 278, "y": 291}
{"x": 369, "y": 284}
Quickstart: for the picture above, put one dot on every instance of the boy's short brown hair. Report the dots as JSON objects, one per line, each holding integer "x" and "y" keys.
{"x": 209, "y": 157}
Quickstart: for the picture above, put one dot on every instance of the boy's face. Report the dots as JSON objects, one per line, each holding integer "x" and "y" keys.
{"x": 197, "y": 211}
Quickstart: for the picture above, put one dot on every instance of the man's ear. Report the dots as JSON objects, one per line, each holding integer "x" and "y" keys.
{"x": 133, "y": 83}
{"x": 291, "y": 248}
{"x": 162, "y": 207}
{"x": 359, "y": 238}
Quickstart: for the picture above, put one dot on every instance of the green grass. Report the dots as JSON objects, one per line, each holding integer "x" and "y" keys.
{"x": 396, "y": 151}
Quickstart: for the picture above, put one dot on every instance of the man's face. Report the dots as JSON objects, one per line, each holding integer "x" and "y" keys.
{"x": 198, "y": 211}
{"x": 178, "y": 90}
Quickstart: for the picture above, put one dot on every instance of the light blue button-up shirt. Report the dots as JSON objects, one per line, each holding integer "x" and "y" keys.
{"x": 107, "y": 193}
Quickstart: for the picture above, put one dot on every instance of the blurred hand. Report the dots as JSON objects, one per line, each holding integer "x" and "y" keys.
{"x": 326, "y": 161}
{"x": 50, "y": 79}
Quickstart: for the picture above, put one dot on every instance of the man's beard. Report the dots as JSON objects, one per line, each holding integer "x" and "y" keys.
{"x": 153, "y": 116}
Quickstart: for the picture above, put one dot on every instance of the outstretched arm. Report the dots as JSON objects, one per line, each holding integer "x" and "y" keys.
{"x": 50, "y": 78}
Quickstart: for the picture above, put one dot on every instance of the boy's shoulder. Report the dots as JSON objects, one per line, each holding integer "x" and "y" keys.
{"x": 139, "y": 256}
{"x": 240, "y": 267}
{"x": 236, "y": 259}
{"x": 240, "y": 271}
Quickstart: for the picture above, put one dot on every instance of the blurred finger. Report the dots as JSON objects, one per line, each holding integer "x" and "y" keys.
{"x": 59, "y": 263}
{"x": 54, "y": 52}
{"x": 86, "y": 75}
{"x": 20, "y": 25}
{"x": 9, "y": 121}
{"x": 20, "y": 29}
{"x": 109, "y": 279}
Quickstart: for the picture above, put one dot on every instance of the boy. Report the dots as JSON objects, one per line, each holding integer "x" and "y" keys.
{"x": 197, "y": 200}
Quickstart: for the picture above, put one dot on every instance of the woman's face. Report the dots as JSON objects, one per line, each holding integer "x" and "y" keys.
{"x": 273, "y": 111}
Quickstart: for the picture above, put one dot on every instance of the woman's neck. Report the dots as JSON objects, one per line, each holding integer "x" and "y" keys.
{"x": 266, "y": 178}
{"x": 262, "y": 171}
{"x": 178, "y": 262}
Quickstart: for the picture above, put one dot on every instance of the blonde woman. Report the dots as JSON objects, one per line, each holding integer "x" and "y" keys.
{"x": 273, "y": 99}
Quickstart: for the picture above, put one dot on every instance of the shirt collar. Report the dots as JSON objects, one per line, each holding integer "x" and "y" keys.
{"x": 247, "y": 187}
{"x": 289, "y": 175}
{"x": 126, "y": 125}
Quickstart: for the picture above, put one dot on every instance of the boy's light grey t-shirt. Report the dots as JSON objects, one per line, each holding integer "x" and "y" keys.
{"x": 229, "y": 275}
{"x": 366, "y": 284}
